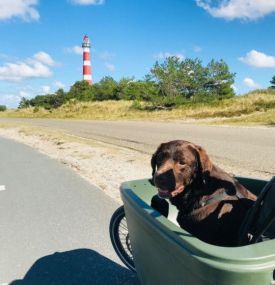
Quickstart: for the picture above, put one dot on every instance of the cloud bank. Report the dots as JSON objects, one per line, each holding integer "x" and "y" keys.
{"x": 34, "y": 67}
{"x": 24, "y": 9}
{"x": 258, "y": 59}
{"x": 87, "y": 2}
{"x": 238, "y": 9}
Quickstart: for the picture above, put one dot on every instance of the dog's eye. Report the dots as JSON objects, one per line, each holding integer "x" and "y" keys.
{"x": 182, "y": 163}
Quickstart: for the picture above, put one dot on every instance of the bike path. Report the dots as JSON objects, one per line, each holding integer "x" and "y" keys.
{"x": 53, "y": 224}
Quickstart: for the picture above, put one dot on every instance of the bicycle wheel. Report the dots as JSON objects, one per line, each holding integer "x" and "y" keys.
{"x": 120, "y": 238}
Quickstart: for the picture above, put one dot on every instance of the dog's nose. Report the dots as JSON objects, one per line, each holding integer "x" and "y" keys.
{"x": 165, "y": 180}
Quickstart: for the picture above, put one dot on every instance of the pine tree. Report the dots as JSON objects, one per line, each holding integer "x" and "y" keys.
{"x": 272, "y": 82}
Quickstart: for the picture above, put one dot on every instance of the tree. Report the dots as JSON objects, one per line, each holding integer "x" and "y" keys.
{"x": 130, "y": 89}
{"x": 177, "y": 77}
{"x": 3, "y": 108}
{"x": 191, "y": 77}
{"x": 272, "y": 81}
{"x": 219, "y": 80}
{"x": 105, "y": 89}
{"x": 60, "y": 92}
{"x": 123, "y": 87}
{"x": 81, "y": 91}
{"x": 166, "y": 76}
{"x": 24, "y": 103}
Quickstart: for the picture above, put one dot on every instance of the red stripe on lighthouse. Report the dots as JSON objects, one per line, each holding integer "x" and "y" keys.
{"x": 86, "y": 56}
{"x": 86, "y": 69}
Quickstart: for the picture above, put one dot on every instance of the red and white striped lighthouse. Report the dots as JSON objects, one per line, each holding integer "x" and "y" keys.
{"x": 87, "y": 69}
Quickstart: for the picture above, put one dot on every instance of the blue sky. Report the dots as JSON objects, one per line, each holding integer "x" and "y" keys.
{"x": 40, "y": 40}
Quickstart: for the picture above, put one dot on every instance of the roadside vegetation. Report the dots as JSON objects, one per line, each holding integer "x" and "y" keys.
{"x": 257, "y": 107}
{"x": 3, "y": 108}
{"x": 175, "y": 89}
{"x": 170, "y": 84}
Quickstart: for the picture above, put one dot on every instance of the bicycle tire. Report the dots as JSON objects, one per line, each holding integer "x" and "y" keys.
{"x": 120, "y": 238}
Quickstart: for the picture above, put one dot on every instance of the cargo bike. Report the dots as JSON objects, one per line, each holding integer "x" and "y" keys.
{"x": 163, "y": 253}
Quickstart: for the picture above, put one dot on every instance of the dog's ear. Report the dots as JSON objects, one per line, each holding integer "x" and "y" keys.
{"x": 204, "y": 161}
{"x": 154, "y": 160}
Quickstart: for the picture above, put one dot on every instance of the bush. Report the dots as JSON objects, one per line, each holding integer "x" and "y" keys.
{"x": 160, "y": 103}
{"x": 36, "y": 109}
{"x": 3, "y": 108}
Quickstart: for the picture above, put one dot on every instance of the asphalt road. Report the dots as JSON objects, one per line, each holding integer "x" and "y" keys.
{"x": 53, "y": 224}
{"x": 251, "y": 149}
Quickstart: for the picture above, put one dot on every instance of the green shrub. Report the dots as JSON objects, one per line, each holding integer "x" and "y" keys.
{"x": 3, "y": 108}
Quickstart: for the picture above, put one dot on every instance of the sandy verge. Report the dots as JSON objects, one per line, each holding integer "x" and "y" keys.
{"x": 103, "y": 165}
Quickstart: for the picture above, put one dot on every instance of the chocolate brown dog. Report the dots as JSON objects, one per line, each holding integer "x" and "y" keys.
{"x": 211, "y": 203}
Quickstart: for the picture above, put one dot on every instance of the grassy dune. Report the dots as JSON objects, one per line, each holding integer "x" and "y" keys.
{"x": 254, "y": 108}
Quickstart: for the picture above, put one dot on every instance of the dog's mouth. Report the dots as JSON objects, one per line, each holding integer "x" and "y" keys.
{"x": 165, "y": 193}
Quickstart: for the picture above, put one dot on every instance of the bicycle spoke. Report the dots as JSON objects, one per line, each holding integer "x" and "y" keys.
{"x": 120, "y": 238}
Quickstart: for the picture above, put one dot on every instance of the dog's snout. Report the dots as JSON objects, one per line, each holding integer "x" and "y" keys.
{"x": 165, "y": 179}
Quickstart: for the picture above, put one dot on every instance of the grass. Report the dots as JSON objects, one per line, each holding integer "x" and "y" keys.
{"x": 254, "y": 108}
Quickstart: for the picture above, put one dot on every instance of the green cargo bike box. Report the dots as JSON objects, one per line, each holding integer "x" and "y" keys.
{"x": 166, "y": 254}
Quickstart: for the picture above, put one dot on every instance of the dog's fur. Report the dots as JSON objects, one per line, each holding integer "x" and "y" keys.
{"x": 211, "y": 203}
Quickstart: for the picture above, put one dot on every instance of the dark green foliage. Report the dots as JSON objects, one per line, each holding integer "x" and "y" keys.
{"x": 3, "y": 108}
{"x": 219, "y": 80}
{"x": 81, "y": 91}
{"x": 130, "y": 89}
{"x": 24, "y": 103}
{"x": 105, "y": 89}
{"x": 169, "y": 84}
{"x": 48, "y": 102}
{"x": 189, "y": 78}
{"x": 272, "y": 81}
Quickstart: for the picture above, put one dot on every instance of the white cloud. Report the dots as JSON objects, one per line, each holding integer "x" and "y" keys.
{"x": 74, "y": 49}
{"x": 10, "y": 100}
{"x": 24, "y": 94}
{"x": 164, "y": 55}
{"x": 21, "y": 70}
{"x": 110, "y": 66}
{"x": 44, "y": 58}
{"x": 238, "y": 9}
{"x": 34, "y": 67}
{"x": 234, "y": 87}
{"x": 249, "y": 82}
{"x": 88, "y": 2}
{"x": 258, "y": 59}
{"x": 46, "y": 89}
{"x": 59, "y": 84}
{"x": 18, "y": 8}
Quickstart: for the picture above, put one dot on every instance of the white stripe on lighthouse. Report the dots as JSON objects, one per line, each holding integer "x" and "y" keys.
{"x": 2, "y": 187}
{"x": 86, "y": 62}
{"x": 87, "y": 77}
{"x": 85, "y": 49}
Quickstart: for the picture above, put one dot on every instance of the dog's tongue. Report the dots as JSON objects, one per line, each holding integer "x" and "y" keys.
{"x": 163, "y": 193}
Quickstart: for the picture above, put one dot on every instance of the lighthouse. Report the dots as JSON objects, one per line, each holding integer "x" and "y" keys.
{"x": 87, "y": 70}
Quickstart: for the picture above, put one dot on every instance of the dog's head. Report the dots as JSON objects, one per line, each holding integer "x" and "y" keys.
{"x": 176, "y": 165}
